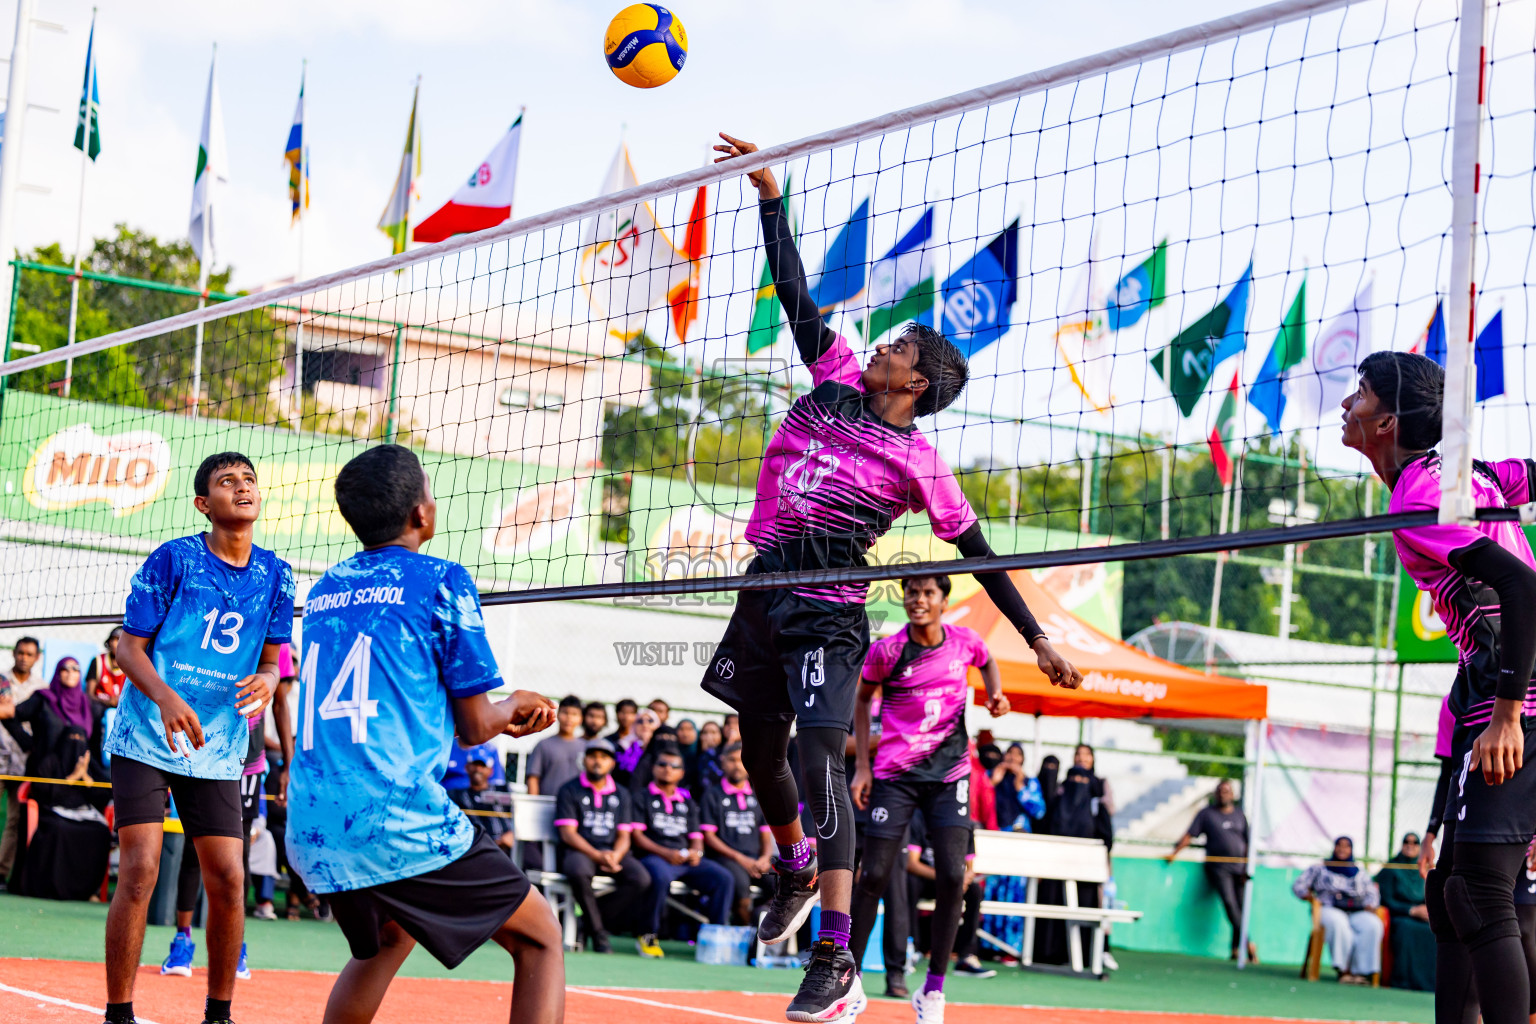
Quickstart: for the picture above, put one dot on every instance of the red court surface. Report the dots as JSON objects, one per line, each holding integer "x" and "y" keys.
{"x": 69, "y": 992}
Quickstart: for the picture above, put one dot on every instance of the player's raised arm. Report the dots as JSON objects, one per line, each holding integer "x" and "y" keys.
{"x": 812, "y": 336}
{"x": 999, "y": 587}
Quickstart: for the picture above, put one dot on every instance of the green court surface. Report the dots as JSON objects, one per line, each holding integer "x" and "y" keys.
{"x": 1146, "y": 981}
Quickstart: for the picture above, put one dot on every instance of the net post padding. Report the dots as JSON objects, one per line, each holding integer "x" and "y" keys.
{"x": 1166, "y": 45}
{"x": 1456, "y": 504}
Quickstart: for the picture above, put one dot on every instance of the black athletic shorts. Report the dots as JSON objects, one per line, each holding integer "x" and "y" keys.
{"x": 207, "y": 807}
{"x": 250, "y": 797}
{"x": 451, "y": 911}
{"x": 1479, "y": 813}
{"x": 891, "y": 801}
{"x": 791, "y": 658}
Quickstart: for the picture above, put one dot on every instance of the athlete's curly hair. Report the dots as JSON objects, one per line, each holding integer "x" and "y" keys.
{"x": 941, "y": 363}
{"x": 1413, "y": 387}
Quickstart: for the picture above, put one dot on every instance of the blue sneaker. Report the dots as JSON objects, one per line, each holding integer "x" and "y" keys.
{"x": 179, "y": 960}
{"x": 243, "y": 969}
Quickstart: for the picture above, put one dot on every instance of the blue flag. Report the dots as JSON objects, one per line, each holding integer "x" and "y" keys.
{"x": 1235, "y": 338}
{"x": 978, "y": 298}
{"x": 843, "y": 271}
{"x": 1433, "y": 339}
{"x": 1489, "y": 354}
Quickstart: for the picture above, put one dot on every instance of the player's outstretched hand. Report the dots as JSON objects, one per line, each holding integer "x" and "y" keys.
{"x": 762, "y": 180}
{"x": 178, "y": 717}
{"x": 859, "y": 788}
{"x": 531, "y": 712}
{"x": 1500, "y": 749}
{"x": 254, "y": 695}
{"x": 998, "y": 706}
{"x": 1057, "y": 669}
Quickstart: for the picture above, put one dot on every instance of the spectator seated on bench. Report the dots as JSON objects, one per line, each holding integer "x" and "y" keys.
{"x": 596, "y": 818}
{"x": 1345, "y": 917}
{"x": 671, "y": 844}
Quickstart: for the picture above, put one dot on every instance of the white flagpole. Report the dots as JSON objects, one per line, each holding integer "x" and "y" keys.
{"x": 206, "y": 258}
{"x": 298, "y": 341}
{"x": 85, "y": 163}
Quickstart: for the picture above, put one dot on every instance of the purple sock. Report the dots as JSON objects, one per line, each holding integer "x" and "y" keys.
{"x": 185, "y": 932}
{"x": 934, "y": 983}
{"x": 837, "y": 927}
{"x": 796, "y": 855}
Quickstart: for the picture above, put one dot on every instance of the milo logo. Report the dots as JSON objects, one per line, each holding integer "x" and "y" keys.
{"x": 78, "y": 466}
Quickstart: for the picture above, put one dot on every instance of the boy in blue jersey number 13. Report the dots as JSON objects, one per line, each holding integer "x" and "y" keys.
{"x": 204, "y": 620}
{"x": 395, "y": 661}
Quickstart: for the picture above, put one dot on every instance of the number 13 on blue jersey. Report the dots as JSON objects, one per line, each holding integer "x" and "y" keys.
{"x": 357, "y": 708}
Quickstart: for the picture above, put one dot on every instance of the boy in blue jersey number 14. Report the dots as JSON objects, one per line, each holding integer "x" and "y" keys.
{"x": 204, "y": 620}
{"x": 395, "y": 661}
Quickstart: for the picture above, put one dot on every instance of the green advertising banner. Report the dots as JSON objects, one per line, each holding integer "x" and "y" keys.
{"x": 681, "y": 530}
{"x": 101, "y": 476}
{"x": 1420, "y": 632}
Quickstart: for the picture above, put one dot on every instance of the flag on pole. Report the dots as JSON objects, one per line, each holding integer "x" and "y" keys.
{"x": 483, "y": 201}
{"x": 1139, "y": 291}
{"x": 1326, "y": 374}
{"x": 1189, "y": 360}
{"x": 766, "y": 311}
{"x": 1489, "y": 354}
{"x": 627, "y": 264}
{"x": 1432, "y": 342}
{"x": 1086, "y": 347}
{"x": 1268, "y": 391}
{"x": 88, "y": 124}
{"x": 298, "y": 166}
{"x": 847, "y": 260}
{"x": 396, "y": 221}
{"x": 978, "y": 298}
{"x": 212, "y": 169}
{"x": 1220, "y": 438}
{"x": 901, "y": 283}
{"x": 684, "y": 296}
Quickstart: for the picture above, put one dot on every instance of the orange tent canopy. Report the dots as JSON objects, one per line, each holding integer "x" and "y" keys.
{"x": 1119, "y": 681}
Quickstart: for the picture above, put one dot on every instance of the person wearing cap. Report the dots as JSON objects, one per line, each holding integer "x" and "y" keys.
{"x": 736, "y": 834}
{"x": 595, "y": 817}
{"x": 556, "y": 759}
{"x": 495, "y": 821}
{"x": 671, "y": 843}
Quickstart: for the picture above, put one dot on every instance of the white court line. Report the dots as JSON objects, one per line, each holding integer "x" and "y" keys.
{"x": 98, "y": 1011}
{"x": 666, "y": 1006}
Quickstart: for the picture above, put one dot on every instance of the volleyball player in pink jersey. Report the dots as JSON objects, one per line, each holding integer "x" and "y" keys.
{"x": 923, "y": 762}
{"x": 846, "y": 462}
{"x": 1482, "y": 578}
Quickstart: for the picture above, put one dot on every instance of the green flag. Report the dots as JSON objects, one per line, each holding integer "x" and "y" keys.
{"x": 767, "y": 315}
{"x": 1188, "y": 361}
{"x": 88, "y": 125}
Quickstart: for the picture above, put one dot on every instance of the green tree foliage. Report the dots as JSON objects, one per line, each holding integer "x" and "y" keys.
{"x": 1197, "y": 741}
{"x": 1125, "y": 502}
{"x": 242, "y": 356}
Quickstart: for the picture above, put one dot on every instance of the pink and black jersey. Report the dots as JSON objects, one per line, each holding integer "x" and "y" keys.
{"x": 836, "y": 476}
{"x": 924, "y": 694}
{"x": 1467, "y": 605}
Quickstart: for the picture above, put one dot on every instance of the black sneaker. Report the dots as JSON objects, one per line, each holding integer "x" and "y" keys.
{"x": 601, "y": 943}
{"x": 793, "y": 897}
{"x": 895, "y": 988}
{"x": 831, "y": 989}
{"x": 973, "y": 966}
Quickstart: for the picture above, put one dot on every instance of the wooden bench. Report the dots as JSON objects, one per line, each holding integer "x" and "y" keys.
{"x": 1034, "y": 857}
{"x": 533, "y": 826}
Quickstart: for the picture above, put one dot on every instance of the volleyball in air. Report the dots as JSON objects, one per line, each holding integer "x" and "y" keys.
{"x": 645, "y": 45}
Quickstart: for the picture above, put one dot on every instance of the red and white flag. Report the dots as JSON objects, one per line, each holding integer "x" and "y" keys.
{"x": 483, "y": 201}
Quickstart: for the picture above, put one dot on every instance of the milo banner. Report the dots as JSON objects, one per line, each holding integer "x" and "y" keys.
{"x": 679, "y": 530}
{"x": 119, "y": 479}
{"x": 1420, "y": 632}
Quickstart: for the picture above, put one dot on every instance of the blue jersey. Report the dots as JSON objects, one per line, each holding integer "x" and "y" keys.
{"x": 207, "y": 621}
{"x": 389, "y": 637}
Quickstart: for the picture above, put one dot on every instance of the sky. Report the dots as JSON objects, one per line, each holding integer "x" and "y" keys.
{"x": 767, "y": 74}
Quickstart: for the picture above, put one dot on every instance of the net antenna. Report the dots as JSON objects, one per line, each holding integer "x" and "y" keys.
{"x": 1112, "y": 243}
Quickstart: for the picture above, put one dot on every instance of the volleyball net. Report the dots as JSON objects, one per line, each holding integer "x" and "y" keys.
{"x": 1163, "y": 263}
